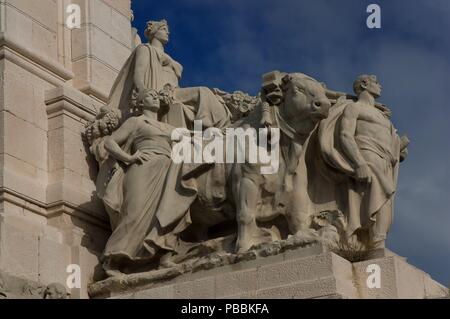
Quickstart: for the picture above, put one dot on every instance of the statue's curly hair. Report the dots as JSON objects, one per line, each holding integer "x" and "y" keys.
{"x": 364, "y": 78}
{"x": 153, "y": 27}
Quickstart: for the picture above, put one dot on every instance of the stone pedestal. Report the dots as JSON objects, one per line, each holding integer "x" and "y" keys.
{"x": 310, "y": 272}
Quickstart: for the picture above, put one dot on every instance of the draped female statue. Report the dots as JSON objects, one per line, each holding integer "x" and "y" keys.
{"x": 144, "y": 218}
{"x": 150, "y": 67}
{"x": 143, "y": 145}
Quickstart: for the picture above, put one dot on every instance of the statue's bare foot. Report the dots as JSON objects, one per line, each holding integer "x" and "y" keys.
{"x": 166, "y": 261}
{"x": 244, "y": 246}
{"x": 260, "y": 237}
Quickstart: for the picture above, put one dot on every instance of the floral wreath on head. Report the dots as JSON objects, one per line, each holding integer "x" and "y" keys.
{"x": 153, "y": 27}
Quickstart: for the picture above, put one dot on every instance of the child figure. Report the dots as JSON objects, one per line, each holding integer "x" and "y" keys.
{"x": 271, "y": 94}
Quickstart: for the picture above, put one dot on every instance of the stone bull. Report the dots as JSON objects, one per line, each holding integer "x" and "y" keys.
{"x": 256, "y": 197}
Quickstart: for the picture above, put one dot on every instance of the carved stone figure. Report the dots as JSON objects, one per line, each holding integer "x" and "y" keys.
{"x": 17, "y": 288}
{"x": 150, "y": 67}
{"x": 33, "y": 290}
{"x": 263, "y": 197}
{"x": 134, "y": 192}
{"x": 250, "y": 196}
{"x": 55, "y": 291}
{"x": 359, "y": 142}
{"x": 239, "y": 103}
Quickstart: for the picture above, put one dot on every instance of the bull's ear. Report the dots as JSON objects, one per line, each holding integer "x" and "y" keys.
{"x": 286, "y": 79}
{"x": 364, "y": 84}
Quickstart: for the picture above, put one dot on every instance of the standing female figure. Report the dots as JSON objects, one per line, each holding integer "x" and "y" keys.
{"x": 144, "y": 144}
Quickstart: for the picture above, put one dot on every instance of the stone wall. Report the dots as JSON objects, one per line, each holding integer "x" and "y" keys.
{"x": 52, "y": 81}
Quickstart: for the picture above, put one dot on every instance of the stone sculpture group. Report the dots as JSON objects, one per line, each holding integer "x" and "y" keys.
{"x": 339, "y": 156}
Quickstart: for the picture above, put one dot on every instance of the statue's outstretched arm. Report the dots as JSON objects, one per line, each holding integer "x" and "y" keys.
{"x": 119, "y": 137}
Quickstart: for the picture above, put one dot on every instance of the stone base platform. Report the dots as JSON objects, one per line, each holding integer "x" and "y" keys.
{"x": 309, "y": 272}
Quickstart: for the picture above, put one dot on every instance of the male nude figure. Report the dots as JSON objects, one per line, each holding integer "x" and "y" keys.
{"x": 371, "y": 144}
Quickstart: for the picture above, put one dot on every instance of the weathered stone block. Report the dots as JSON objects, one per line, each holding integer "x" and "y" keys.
{"x": 292, "y": 271}
{"x": 99, "y": 14}
{"x": 121, "y": 28}
{"x": 311, "y": 250}
{"x": 19, "y": 98}
{"x": 100, "y": 47}
{"x": 31, "y": 34}
{"x": 45, "y": 41}
{"x": 104, "y": 73}
{"x": 398, "y": 280}
{"x": 197, "y": 289}
{"x": 43, "y": 11}
{"x": 164, "y": 292}
{"x": 322, "y": 276}
{"x": 236, "y": 283}
{"x": 19, "y": 250}
{"x": 35, "y": 175}
{"x": 309, "y": 289}
{"x": 121, "y": 6}
{"x": 18, "y": 26}
{"x": 54, "y": 257}
{"x": 25, "y": 141}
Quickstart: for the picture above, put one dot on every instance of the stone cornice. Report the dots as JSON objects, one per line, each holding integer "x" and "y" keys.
{"x": 42, "y": 66}
{"x": 94, "y": 91}
{"x": 71, "y": 100}
{"x": 51, "y": 210}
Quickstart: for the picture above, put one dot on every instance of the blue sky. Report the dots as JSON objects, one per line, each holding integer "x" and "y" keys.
{"x": 229, "y": 44}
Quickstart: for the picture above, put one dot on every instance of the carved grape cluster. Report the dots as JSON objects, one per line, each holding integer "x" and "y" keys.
{"x": 238, "y": 102}
{"x": 106, "y": 122}
{"x": 166, "y": 95}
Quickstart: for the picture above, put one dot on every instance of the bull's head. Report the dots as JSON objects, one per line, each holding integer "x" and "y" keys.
{"x": 304, "y": 101}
